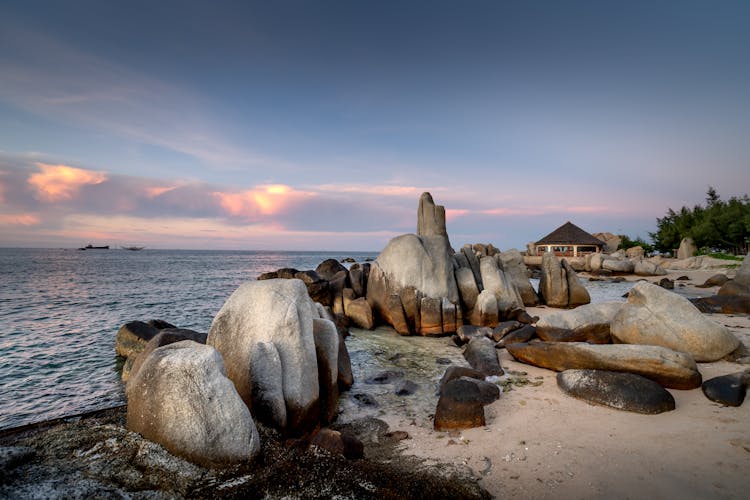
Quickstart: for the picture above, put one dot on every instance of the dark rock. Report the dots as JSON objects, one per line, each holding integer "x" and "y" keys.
{"x": 488, "y": 393}
{"x": 286, "y": 273}
{"x": 666, "y": 283}
{"x": 683, "y": 278}
{"x": 271, "y": 275}
{"x": 336, "y": 285}
{"x": 160, "y": 324}
{"x": 715, "y": 280}
{"x": 482, "y": 356}
{"x": 326, "y": 353}
{"x": 385, "y": 377}
{"x": 459, "y": 406}
{"x": 357, "y": 280}
{"x": 329, "y": 268}
{"x": 728, "y": 390}
{"x": 443, "y": 361}
{"x": 724, "y": 304}
{"x": 601, "y": 272}
{"x": 622, "y": 391}
{"x": 457, "y": 340}
{"x": 522, "y": 316}
{"x": 345, "y": 377}
{"x": 453, "y": 372}
{"x": 12, "y": 457}
{"x": 468, "y": 332}
{"x": 365, "y": 399}
{"x": 406, "y": 388}
{"x": 398, "y": 435}
{"x": 523, "y": 334}
{"x": 341, "y": 443}
{"x": 132, "y": 337}
{"x": 349, "y": 260}
{"x": 317, "y": 288}
{"x": 504, "y": 328}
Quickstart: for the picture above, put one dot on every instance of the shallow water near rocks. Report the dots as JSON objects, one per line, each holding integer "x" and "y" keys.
{"x": 61, "y": 308}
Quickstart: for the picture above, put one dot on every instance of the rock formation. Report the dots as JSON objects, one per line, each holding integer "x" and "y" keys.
{"x": 622, "y": 391}
{"x": 182, "y": 399}
{"x": 279, "y": 312}
{"x": 559, "y": 285}
{"x": 655, "y": 316}
{"x": 687, "y": 249}
{"x": 669, "y": 368}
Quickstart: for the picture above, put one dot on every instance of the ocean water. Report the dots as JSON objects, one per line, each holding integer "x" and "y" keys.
{"x": 60, "y": 311}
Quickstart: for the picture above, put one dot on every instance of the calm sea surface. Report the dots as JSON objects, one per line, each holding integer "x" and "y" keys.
{"x": 60, "y": 311}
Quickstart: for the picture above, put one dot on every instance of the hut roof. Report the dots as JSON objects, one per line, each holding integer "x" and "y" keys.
{"x": 570, "y": 234}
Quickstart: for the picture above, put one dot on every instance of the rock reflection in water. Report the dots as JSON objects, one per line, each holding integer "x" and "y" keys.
{"x": 385, "y": 363}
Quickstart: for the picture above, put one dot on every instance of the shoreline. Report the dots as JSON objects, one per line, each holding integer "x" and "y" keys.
{"x": 537, "y": 443}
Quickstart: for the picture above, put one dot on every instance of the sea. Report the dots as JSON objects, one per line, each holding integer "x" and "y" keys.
{"x": 60, "y": 310}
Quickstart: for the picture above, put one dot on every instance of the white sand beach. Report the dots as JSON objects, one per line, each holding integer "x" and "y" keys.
{"x": 541, "y": 443}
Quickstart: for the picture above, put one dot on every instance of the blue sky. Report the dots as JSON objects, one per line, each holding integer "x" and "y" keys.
{"x": 316, "y": 125}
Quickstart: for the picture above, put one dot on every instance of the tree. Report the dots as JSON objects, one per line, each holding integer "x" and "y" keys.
{"x": 717, "y": 226}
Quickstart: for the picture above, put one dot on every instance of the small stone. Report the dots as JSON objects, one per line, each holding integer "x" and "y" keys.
{"x": 728, "y": 390}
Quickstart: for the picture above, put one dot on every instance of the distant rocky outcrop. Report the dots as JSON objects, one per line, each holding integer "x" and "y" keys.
{"x": 687, "y": 248}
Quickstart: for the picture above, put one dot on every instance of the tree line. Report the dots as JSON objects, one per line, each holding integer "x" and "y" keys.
{"x": 717, "y": 226}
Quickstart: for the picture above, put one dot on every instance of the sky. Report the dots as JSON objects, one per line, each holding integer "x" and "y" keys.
{"x": 294, "y": 125}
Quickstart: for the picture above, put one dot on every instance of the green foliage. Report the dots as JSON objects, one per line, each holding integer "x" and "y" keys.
{"x": 626, "y": 242}
{"x": 719, "y": 226}
{"x": 719, "y": 255}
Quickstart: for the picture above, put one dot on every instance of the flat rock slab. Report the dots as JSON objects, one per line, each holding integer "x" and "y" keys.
{"x": 619, "y": 390}
{"x": 728, "y": 390}
{"x": 523, "y": 334}
{"x": 675, "y": 370}
{"x": 588, "y": 323}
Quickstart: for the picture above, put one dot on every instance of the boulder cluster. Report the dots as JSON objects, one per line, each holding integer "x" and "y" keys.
{"x": 733, "y": 296}
{"x": 272, "y": 354}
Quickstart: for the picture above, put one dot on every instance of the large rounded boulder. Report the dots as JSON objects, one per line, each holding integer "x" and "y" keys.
{"x": 181, "y": 398}
{"x": 655, "y": 316}
{"x": 280, "y": 312}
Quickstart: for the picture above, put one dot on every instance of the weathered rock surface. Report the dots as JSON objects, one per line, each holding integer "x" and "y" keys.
{"x": 164, "y": 337}
{"x": 182, "y": 399}
{"x": 514, "y": 267}
{"x": 577, "y": 293}
{"x": 277, "y": 311}
{"x": 669, "y": 368}
{"x": 523, "y": 334}
{"x": 360, "y": 313}
{"x": 728, "y": 390}
{"x": 488, "y": 392}
{"x": 330, "y": 268}
{"x": 687, "y": 248}
{"x": 468, "y": 332}
{"x": 654, "y": 316}
{"x": 648, "y": 268}
{"x": 459, "y": 406}
{"x": 619, "y": 390}
{"x": 340, "y": 443}
{"x": 553, "y": 284}
{"x": 486, "y": 311}
{"x": 480, "y": 353}
{"x": 132, "y": 337}
{"x": 618, "y": 266}
{"x": 453, "y": 372}
{"x": 267, "y": 389}
{"x": 715, "y": 280}
{"x": 587, "y": 323}
{"x": 327, "y": 353}
{"x": 504, "y": 328}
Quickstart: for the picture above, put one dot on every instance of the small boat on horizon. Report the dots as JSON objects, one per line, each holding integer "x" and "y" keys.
{"x": 134, "y": 249}
{"x": 92, "y": 247}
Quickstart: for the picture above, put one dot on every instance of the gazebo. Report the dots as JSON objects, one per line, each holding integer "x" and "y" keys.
{"x": 569, "y": 240}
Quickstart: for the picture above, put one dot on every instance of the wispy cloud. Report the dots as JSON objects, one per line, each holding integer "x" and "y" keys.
{"x": 45, "y": 76}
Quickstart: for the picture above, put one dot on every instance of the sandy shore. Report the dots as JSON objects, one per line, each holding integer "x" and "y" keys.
{"x": 540, "y": 443}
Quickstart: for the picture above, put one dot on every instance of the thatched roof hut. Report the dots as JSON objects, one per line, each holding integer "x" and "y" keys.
{"x": 569, "y": 240}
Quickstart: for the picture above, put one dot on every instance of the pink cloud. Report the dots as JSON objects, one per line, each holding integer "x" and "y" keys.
{"x": 263, "y": 200}
{"x": 61, "y": 182}
{"x": 19, "y": 220}
{"x": 153, "y": 192}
